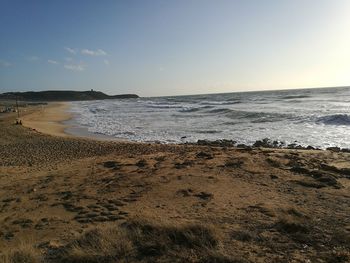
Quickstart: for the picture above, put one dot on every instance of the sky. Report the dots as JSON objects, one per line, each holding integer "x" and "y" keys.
{"x": 178, "y": 47}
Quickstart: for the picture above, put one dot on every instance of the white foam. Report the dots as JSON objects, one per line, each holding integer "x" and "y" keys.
{"x": 256, "y": 116}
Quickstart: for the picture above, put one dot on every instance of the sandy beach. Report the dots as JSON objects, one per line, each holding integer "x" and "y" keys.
{"x": 69, "y": 199}
{"x": 49, "y": 119}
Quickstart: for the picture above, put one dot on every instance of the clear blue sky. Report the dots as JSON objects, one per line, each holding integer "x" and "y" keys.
{"x": 173, "y": 47}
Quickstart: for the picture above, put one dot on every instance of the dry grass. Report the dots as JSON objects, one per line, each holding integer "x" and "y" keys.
{"x": 141, "y": 241}
{"x": 135, "y": 241}
{"x": 291, "y": 225}
{"x": 25, "y": 253}
{"x": 97, "y": 245}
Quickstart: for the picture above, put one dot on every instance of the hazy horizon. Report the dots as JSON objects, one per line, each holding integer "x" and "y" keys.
{"x": 168, "y": 48}
{"x": 199, "y": 94}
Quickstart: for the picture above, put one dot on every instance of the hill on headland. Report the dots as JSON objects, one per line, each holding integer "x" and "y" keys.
{"x": 62, "y": 95}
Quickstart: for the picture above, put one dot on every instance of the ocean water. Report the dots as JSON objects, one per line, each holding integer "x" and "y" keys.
{"x": 316, "y": 117}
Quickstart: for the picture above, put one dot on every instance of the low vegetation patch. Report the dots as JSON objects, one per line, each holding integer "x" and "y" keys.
{"x": 141, "y": 241}
{"x": 233, "y": 163}
{"x": 247, "y": 236}
{"x": 25, "y": 253}
{"x": 291, "y": 225}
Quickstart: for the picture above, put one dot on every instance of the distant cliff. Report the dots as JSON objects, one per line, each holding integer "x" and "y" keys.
{"x": 62, "y": 95}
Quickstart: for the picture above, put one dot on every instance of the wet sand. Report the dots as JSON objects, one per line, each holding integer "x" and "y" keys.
{"x": 266, "y": 205}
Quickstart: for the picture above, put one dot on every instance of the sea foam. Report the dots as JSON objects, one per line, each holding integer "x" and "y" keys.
{"x": 316, "y": 117}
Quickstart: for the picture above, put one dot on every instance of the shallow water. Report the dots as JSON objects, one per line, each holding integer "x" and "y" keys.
{"x": 317, "y": 117}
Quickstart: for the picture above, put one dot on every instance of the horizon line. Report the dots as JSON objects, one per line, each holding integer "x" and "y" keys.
{"x": 197, "y": 94}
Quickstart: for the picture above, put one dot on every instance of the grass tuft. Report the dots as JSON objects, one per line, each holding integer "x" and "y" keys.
{"x": 98, "y": 245}
{"x": 25, "y": 253}
{"x": 142, "y": 241}
{"x": 292, "y": 225}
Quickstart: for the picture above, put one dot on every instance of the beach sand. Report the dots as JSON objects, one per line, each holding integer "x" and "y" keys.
{"x": 49, "y": 119}
{"x": 68, "y": 199}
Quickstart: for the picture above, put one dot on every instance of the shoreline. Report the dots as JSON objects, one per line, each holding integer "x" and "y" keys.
{"x": 48, "y": 119}
{"x": 55, "y": 119}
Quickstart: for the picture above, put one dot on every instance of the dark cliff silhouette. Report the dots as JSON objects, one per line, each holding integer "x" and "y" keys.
{"x": 62, "y": 95}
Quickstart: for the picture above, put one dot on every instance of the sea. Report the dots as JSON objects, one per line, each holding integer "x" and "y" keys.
{"x": 315, "y": 117}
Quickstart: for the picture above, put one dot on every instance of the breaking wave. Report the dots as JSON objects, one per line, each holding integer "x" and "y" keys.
{"x": 337, "y": 119}
{"x": 316, "y": 117}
